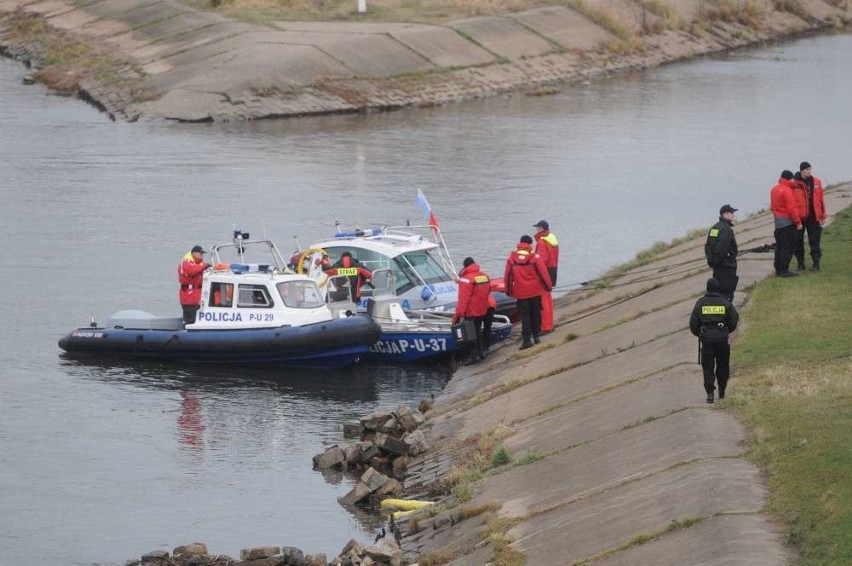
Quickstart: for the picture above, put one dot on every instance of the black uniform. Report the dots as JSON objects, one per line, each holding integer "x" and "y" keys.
{"x": 712, "y": 320}
{"x": 721, "y": 252}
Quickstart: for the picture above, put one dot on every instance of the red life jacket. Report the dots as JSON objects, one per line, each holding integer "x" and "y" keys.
{"x": 350, "y": 268}
{"x": 547, "y": 247}
{"x": 799, "y": 190}
{"x": 526, "y": 275}
{"x": 474, "y": 292}
{"x": 819, "y": 200}
{"x": 190, "y": 276}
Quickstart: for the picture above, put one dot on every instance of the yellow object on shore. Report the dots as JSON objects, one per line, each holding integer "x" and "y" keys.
{"x": 403, "y": 505}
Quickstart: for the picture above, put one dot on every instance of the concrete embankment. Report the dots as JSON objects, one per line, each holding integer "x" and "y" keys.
{"x": 597, "y": 445}
{"x": 169, "y": 61}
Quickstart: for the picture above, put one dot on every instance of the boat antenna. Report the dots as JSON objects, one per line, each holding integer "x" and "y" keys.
{"x": 263, "y": 226}
{"x": 298, "y": 245}
{"x": 337, "y": 225}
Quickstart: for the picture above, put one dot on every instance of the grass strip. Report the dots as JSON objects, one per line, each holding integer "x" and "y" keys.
{"x": 792, "y": 388}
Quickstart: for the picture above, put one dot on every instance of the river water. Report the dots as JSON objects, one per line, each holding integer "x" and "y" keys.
{"x": 99, "y": 464}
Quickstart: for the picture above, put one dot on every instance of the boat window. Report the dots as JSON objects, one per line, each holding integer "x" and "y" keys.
{"x": 425, "y": 265}
{"x": 222, "y": 294}
{"x": 253, "y": 296}
{"x": 374, "y": 260}
{"x": 300, "y": 294}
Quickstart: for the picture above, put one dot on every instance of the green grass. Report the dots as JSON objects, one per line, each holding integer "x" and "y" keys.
{"x": 792, "y": 387}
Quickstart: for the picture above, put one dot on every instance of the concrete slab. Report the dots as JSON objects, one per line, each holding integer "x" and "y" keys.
{"x": 610, "y": 519}
{"x": 114, "y": 8}
{"x": 443, "y": 47}
{"x": 624, "y": 456}
{"x": 47, "y": 7}
{"x": 503, "y": 37}
{"x": 611, "y": 411}
{"x": 523, "y": 403}
{"x": 718, "y": 541}
{"x": 351, "y": 27}
{"x": 164, "y": 30}
{"x": 151, "y": 14}
{"x": 72, "y": 20}
{"x": 192, "y": 40}
{"x": 565, "y": 27}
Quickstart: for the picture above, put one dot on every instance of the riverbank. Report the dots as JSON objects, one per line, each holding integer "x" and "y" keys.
{"x": 597, "y": 445}
{"x": 149, "y": 59}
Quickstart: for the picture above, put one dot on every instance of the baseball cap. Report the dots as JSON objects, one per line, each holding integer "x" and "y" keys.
{"x": 198, "y": 249}
{"x": 542, "y": 224}
{"x": 727, "y": 208}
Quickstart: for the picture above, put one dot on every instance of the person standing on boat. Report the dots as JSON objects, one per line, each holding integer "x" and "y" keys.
{"x": 527, "y": 280}
{"x": 350, "y": 267}
{"x": 473, "y": 303}
{"x": 720, "y": 249}
{"x": 812, "y": 222}
{"x": 547, "y": 247}
{"x": 190, "y": 276}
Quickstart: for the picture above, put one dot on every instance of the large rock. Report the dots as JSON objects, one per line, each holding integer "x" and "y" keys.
{"x": 417, "y": 442}
{"x": 391, "y": 488}
{"x": 332, "y": 458}
{"x": 191, "y": 549}
{"x": 154, "y": 556}
{"x": 359, "y": 492}
{"x": 353, "y": 429}
{"x": 293, "y": 556}
{"x": 259, "y": 552}
{"x": 352, "y": 453}
{"x": 390, "y": 444}
{"x": 368, "y": 452}
{"x": 373, "y": 479}
{"x": 385, "y": 552}
{"x": 375, "y": 420}
{"x": 318, "y": 559}
{"x": 405, "y": 418}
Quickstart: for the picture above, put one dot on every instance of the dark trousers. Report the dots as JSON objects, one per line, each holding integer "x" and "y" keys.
{"x": 727, "y": 278}
{"x": 814, "y": 231}
{"x": 189, "y": 312}
{"x": 715, "y": 363}
{"x": 530, "y": 311}
{"x": 487, "y": 321}
{"x": 785, "y": 245}
{"x": 552, "y": 272}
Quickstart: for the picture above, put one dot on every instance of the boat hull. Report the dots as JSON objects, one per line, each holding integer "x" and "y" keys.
{"x": 412, "y": 345}
{"x": 333, "y": 343}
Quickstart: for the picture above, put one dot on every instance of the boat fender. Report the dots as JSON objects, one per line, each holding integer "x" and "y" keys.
{"x": 427, "y": 294}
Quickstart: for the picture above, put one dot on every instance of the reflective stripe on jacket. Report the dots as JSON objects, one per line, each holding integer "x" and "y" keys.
{"x": 713, "y": 318}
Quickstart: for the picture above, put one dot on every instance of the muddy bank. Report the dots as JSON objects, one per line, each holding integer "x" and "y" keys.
{"x": 149, "y": 59}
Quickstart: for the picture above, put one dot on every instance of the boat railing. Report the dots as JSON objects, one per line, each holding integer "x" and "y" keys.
{"x": 407, "y": 234}
{"x": 239, "y": 248}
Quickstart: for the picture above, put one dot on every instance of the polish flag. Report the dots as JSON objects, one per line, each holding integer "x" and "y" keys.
{"x": 426, "y": 210}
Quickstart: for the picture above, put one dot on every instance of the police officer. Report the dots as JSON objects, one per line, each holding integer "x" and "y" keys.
{"x": 720, "y": 249}
{"x": 713, "y": 318}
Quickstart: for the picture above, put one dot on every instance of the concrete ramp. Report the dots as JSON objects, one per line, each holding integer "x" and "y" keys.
{"x": 565, "y": 27}
{"x": 504, "y": 37}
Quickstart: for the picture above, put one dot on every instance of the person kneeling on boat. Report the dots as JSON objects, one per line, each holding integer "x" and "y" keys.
{"x": 352, "y": 268}
{"x": 473, "y": 304}
{"x": 190, "y": 275}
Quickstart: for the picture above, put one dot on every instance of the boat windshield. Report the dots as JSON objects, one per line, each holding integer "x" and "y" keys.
{"x": 426, "y": 266}
{"x": 300, "y": 294}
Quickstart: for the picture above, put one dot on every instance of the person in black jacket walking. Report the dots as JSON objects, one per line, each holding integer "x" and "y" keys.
{"x": 721, "y": 251}
{"x": 713, "y": 319}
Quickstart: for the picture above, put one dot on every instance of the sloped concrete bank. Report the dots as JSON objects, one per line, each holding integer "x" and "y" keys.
{"x": 597, "y": 445}
{"x": 160, "y": 59}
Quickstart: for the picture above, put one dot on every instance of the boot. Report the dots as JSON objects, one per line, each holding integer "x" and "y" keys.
{"x": 815, "y": 266}
{"x": 709, "y": 397}
{"x": 721, "y": 393}
{"x": 800, "y": 265}
{"x": 536, "y": 339}
{"x": 526, "y": 345}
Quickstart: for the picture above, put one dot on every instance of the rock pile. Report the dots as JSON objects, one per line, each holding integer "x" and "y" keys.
{"x": 384, "y": 552}
{"x": 388, "y": 440}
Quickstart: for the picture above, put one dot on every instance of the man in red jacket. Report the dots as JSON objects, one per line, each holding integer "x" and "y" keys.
{"x": 351, "y": 268}
{"x": 814, "y": 219}
{"x": 473, "y": 303}
{"x": 787, "y": 222}
{"x": 799, "y": 191}
{"x": 547, "y": 247}
{"x": 190, "y": 275}
{"x": 527, "y": 280}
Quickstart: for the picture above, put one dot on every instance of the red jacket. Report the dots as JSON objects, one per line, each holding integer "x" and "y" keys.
{"x": 526, "y": 275}
{"x": 799, "y": 190}
{"x": 782, "y": 201}
{"x": 474, "y": 292}
{"x": 548, "y": 248}
{"x": 819, "y": 200}
{"x": 351, "y": 268}
{"x": 190, "y": 275}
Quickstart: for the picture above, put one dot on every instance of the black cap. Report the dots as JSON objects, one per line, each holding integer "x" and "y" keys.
{"x": 786, "y": 174}
{"x": 727, "y": 208}
{"x": 468, "y": 261}
{"x": 713, "y": 285}
{"x": 198, "y": 249}
{"x": 542, "y": 224}
{"x": 526, "y": 239}
{"x": 346, "y": 254}
{"x": 804, "y": 165}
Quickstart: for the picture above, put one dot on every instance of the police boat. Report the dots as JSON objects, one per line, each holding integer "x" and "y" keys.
{"x": 420, "y": 335}
{"x": 420, "y": 267}
{"x": 250, "y": 313}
